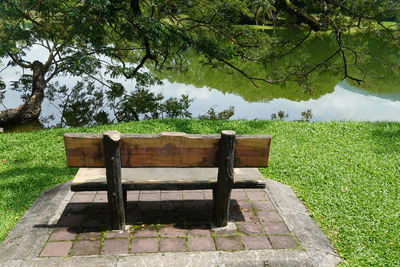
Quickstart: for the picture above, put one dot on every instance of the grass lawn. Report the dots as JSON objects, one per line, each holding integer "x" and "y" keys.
{"x": 347, "y": 173}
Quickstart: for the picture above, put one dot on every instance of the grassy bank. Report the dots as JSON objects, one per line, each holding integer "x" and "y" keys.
{"x": 347, "y": 173}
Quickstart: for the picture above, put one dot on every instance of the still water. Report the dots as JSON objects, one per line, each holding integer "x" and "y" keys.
{"x": 330, "y": 99}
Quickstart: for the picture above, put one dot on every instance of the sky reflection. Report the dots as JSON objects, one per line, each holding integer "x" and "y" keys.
{"x": 345, "y": 103}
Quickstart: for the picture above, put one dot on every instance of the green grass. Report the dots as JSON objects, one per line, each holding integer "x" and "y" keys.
{"x": 347, "y": 173}
{"x": 390, "y": 23}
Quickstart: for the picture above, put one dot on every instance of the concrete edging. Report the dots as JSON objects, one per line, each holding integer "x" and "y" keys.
{"x": 299, "y": 221}
{"x": 38, "y": 221}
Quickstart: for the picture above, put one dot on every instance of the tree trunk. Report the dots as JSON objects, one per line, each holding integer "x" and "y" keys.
{"x": 32, "y": 108}
{"x": 300, "y": 14}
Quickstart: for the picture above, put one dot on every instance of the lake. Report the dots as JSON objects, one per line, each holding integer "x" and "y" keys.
{"x": 329, "y": 96}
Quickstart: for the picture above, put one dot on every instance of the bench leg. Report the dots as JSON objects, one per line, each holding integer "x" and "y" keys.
{"x": 125, "y": 196}
{"x": 221, "y": 207}
{"x": 113, "y": 173}
{"x": 222, "y": 191}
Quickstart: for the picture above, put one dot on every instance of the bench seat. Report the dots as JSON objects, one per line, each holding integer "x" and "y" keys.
{"x": 94, "y": 179}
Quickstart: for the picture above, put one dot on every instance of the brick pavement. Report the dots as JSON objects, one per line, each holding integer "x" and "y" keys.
{"x": 168, "y": 221}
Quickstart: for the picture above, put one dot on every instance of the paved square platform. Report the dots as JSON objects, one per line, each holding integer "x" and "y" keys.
{"x": 166, "y": 221}
{"x": 170, "y": 228}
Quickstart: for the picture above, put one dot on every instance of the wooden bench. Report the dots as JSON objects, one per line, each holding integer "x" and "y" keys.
{"x": 168, "y": 161}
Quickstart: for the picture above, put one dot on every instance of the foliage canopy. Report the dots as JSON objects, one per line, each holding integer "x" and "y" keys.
{"x": 133, "y": 38}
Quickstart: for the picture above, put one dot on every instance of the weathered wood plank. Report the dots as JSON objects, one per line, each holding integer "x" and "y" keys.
{"x": 84, "y": 150}
{"x": 94, "y": 179}
{"x": 222, "y": 191}
{"x": 113, "y": 173}
{"x": 166, "y": 150}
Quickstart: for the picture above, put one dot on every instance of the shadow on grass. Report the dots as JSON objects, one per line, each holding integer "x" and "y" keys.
{"x": 386, "y": 137}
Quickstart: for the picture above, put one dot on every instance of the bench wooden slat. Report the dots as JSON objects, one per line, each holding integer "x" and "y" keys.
{"x": 166, "y": 150}
{"x": 94, "y": 179}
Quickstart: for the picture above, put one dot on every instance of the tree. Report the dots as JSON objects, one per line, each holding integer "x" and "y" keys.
{"x": 262, "y": 8}
{"x": 129, "y": 38}
{"x": 57, "y": 26}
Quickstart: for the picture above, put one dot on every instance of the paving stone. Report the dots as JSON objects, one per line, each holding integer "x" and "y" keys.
{"x": 56, "y": 249}
{"x": 145, "y": 232}
{"x": 131, "y": 207}
{"x": 253, "y": 190}
{"x": 198, "y": 217}
{"x": 238, "y": 195}
{"x": 244, "y": 206}
{"x": 171, "y": 196}
{"x": 256, "y": 195}
{"x": 193, "y": 195}
{"x": 118, "y": 234}
{"x": 172, "y": 207}
{"x": 98, "y": 209}
{"x": 248, "y": 216}
{"x": 201, "y": 244}
{"x": 149, "y": 192}
{"x": 63, "y": 233}
{"x": 150, "y": 219}
{"x": 275, "y": 228}
{"x": 237, "y": 215}
{"x": 171, "y": 214}
{"x": 100, "y": 199}
{"x": 97, "y": 223}
{"x": 265, "y": 216}
{"x": 149, "y": 212}
{"x": 149, "y": 197}
{"x": 172, "y": 244}
{"x": 193, "y": 191}
{"x": 85, "y": 193}
{"x": 194, "y": 206}
{"x": 71, "y": 221}
{"x": 282, "y": 241}
{"x": 144, "y": 245}
{"x": 226, "y": 231}
{"x": 171, "y": 231}
{"x": 208, "y": 194}
{"x": 115, "y": 246}
{"x": 252, "y": 227}
{"x": 134, "y": 218}
{"x": 172, "y": 191}
{"x": 82, "y": 248}
{"x": 77, "y": 208}
{"x": 149, "y": 206}
{"x": 256, "y": 242}
{"x": 263, "y": 205}
{"x": 101, "y": 192}
{"x": 82, "y": 198}
{"x": 90, "y": 236}
{"x": 199, "y": 232}
{"x": 132, "y": 196}
{"x": 228, "y": 243}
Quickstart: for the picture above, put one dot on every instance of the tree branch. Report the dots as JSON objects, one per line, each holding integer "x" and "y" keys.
{"x": 20, "y": 62}
{"x": 300, "y": 14}
{"x": 344, "y": 59}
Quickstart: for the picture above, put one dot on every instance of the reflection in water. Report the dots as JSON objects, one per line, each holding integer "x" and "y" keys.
{"x": 343, "y": 103}
{"x": 330, "y": 98}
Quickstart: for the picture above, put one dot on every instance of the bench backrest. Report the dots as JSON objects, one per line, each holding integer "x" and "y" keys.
{"x": 166, "y": 150}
